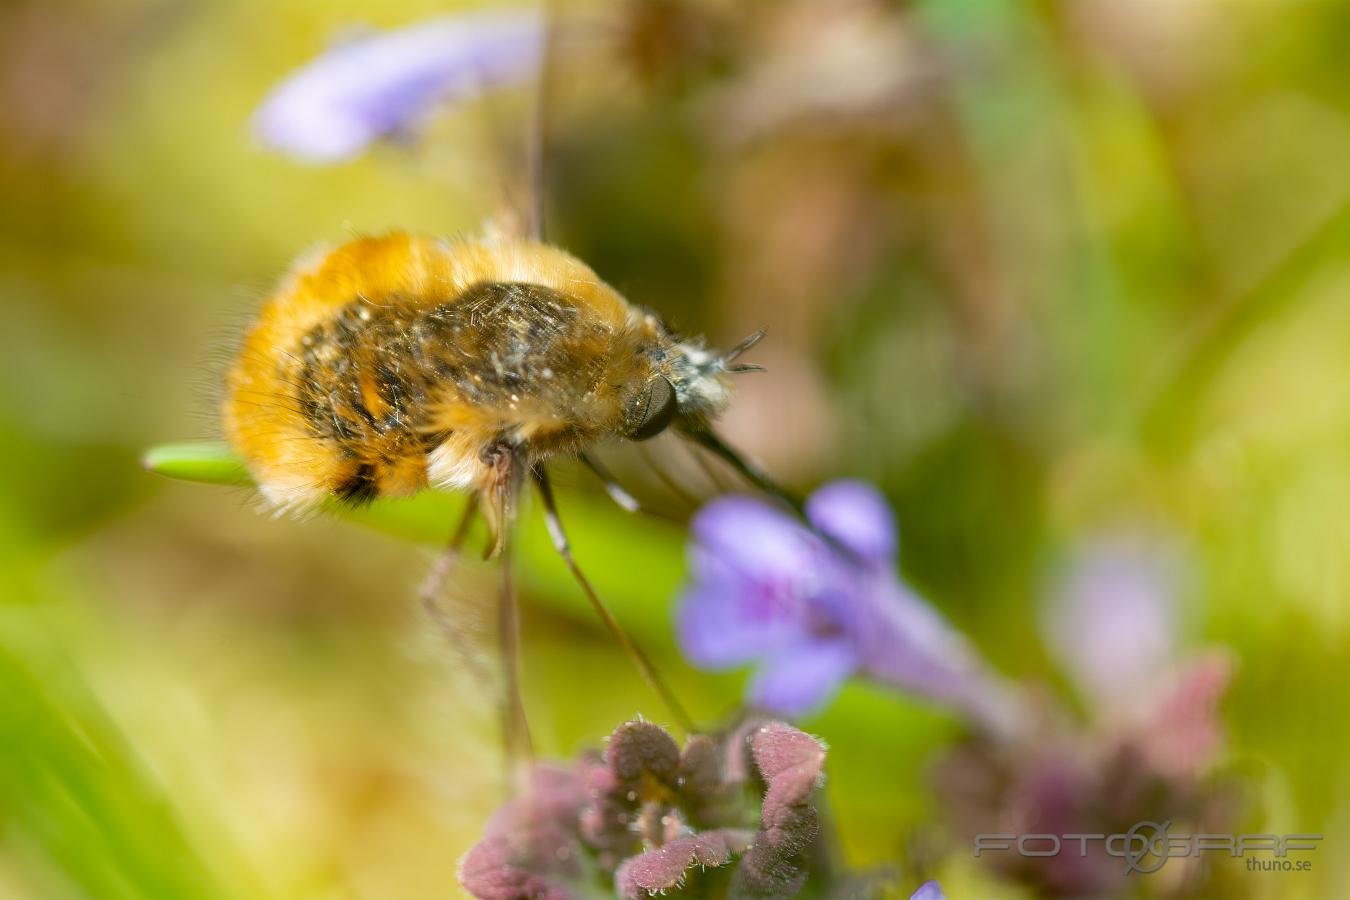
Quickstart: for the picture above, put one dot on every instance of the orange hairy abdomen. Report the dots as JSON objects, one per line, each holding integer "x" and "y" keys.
{"x": 392, "y": 362}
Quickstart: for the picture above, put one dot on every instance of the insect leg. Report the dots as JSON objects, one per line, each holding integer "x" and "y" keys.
{"x": 502, "y": 487}
{"x": 435, "y": 580}
{"x": 711, "y": 472}
{"x": 617, "y": 492}
{"x": 644, "y": 665}
{"x": 621, "y": 497}
{"x": 671, "y": 484}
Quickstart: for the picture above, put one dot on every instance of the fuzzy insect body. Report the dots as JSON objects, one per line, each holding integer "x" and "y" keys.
{"x": 395, "y": 363}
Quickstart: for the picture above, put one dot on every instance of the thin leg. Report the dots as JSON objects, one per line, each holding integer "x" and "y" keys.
{"x": 670, "y": 483}
{"x": 644, "y": 665}
{"x": 615, "y": 490}
{"x": 430, "y": 590}
{"x": 720, "y": 485}
{"x": 505, "y": 482}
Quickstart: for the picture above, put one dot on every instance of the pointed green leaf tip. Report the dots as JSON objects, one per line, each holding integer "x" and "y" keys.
{"x": 209, "y": 462}
{"x": 421, "y": 518}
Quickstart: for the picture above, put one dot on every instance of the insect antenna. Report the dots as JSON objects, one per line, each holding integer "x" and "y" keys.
{"x": 707, "y": 438}
{"x": 430, "y": 589}
{"x": 731, "y": 355}
{"x": 750, "y": 341}
{"x": 644, "y": 665}
{"x": 502, "y": 489}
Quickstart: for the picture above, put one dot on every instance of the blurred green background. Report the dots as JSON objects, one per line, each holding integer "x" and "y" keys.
{"x": 1038, "y": 269}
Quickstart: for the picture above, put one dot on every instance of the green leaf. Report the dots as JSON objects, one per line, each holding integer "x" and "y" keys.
{"x": 209, "y": 462}
{"x": 635, "y": 563}
{"x": 75, "y": 786}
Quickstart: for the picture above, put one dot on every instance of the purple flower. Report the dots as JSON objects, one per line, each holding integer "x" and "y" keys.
{"x": 1145, "y": 747}
{"x": 732, "y": 817}
{"x": 929, "y": 890}
{"x": 813, "y": 607}
{"x": 387, "y": 83}
{"x": 1113, "y": 625}
{"x": 1111, "y": 622}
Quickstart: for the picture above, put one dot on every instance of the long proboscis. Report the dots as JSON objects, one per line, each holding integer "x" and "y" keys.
{"x": 707, "y": 438}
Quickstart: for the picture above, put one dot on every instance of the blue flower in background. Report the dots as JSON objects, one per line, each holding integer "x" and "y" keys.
{"x": 1111, "y": 621}
{"x": 929, "y": 890}
{"x": 389, "y": 82}
{"x": 812, "y": 606}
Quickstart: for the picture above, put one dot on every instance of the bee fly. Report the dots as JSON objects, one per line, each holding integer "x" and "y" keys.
{"x": 393, "y": 364}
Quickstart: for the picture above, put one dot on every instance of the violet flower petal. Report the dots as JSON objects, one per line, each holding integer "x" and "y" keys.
{"x": 907, "y": 644}
{"x": 857, "y": 516}
{"x": 756, "y": 540}
{"x": 755, "y": 570}
{"x": 815, "y": 611}
{"x": 929, "y": 890}
{"x": 801, "y": 678}
{"x": 727, "y": 622}
{"x": 1112, "y": 624}
{"x": 388, "y": 82}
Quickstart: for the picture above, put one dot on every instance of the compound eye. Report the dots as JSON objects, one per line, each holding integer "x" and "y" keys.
{"x": 658, "y": 410}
